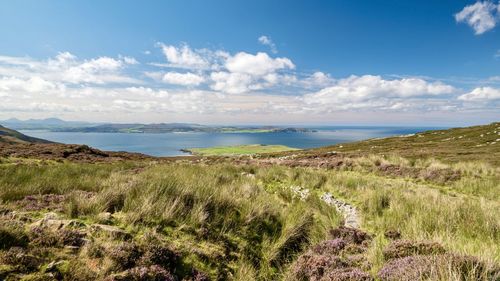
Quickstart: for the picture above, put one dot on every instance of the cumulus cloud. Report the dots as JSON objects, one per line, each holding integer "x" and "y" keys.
{"x": 32, "y": 85}
{"x": 67, "y": 68}
{"x": 318, "y": 79}
{"x": 481, "y": 16}
{"x": 266, "y": 41}
{"x": 231, "y": 83}
{"x": 258, "y": 64}
{"x": 246, "y": 72}
{"x": 185, "y": 79}
{"x": 183, "y": 57}
{"x": 481, "y": 94}
{"x": 370, "y": 91}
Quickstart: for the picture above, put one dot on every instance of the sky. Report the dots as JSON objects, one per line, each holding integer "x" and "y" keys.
{"x": 353, "y": 62}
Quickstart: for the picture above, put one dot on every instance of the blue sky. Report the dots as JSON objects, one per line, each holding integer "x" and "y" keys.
{"x": 329, "y": 62}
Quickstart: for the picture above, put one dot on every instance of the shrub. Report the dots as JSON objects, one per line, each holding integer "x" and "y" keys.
{"x": 143, "y": 273}
{"x": 43, "y": 237}
{"x": 440, "y": 267}
{"x": 71, "y": 237}
{"x": 159, "y": 255}
{"x": 405, "y": 269}
{"x": 329, "y": 247}
{"x": 313, "y": 267}
{"x": 21, "y": 259}
{"x": 404, "y": 248}
{"x": 351, "y": 235}
{"x": 124, "y": 255}
{"x": 347, "y": 274}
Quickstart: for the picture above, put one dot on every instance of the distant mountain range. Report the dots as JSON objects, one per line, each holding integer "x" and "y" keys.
{"x": 43, "y": 124}
{"x": 58, "y": 125}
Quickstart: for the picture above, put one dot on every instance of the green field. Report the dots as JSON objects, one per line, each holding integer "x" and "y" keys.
{"x": 239, "y": 150}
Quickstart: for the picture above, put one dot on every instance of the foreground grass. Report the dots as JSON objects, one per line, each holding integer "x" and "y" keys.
{"x": 240, "y": 222}
{"x": 240, "y": 150}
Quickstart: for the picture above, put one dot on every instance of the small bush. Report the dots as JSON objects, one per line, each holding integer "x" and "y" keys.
{"x": 43, "y": 237}
{"x": 21, "y": 259}
{"x": 351, "y": 235}
{"x": 313, "y": 267}
{"x": 404, "y": 248}
{"x": 405, "y": 269}
{"x": 159, "y": 255}
{"x": 70, "y": 237}
{"x": 329, "y": 247}
{"x": 347, "y": 274}
{"x": 124, "y": 255}
{"x": 143, "y": 273}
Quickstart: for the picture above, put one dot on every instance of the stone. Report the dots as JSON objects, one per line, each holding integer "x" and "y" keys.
{"x": 112, "y": 231}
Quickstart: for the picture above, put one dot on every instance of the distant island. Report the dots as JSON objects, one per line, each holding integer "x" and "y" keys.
{"x": 58, "y": 125}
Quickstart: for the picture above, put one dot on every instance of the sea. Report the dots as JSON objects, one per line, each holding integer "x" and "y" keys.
{"x": 170, "y": 144}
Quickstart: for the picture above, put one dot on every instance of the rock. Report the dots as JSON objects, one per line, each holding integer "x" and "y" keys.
{"x": 112, "y": 231}
{"x": 105, "y": 217}
{"x": 52, "y": 267}
{"x": 53, "y": 222}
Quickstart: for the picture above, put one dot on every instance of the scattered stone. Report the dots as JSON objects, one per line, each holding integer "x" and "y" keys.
{"x": 105, "y": 217}
{"x": 52, "y": 221}
{"x": 348, "y": 211}
{"x": 112, "y": 231}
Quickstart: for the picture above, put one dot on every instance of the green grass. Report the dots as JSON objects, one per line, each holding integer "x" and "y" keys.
{"x": 240, "y": 150}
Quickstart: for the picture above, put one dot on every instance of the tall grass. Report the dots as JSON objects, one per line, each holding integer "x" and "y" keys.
{"x": 245, "y": 222}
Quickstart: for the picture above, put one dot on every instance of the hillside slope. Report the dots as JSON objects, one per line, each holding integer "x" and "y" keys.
{"x": 477, "y": 143}
{"x": 11, "y": 136}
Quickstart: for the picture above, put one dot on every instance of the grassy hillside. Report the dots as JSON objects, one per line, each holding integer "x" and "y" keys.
{"x": 11, "y": 136}
{"x": 266, "y": 218}
{"x": 478, "y": 143}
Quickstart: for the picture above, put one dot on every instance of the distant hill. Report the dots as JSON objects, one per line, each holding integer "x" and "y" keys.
{"x": 42, "y": 124}
{"x": 14, "y": 137}
{"x": 58, "y": 125}
{"x": 175, "y": 127}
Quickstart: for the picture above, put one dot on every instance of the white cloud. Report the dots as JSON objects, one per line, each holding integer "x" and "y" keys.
{"x": 183, "y": 57}
{"x": 318, "y": 79}
{"x": 231, "y": 83}
{"x": 265, "y": 40}
{"x": 185, "y": 79}
{"x": 481, "y": 16}
{"x": 67, "y": 68}
{"x": 370, "y": 91}
{"x": 259, "y": 64}
{"x": 32, "y": 85}
{"x": 481, "y": 94}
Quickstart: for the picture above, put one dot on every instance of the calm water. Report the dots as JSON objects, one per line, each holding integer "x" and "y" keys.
{"x": 169, "y": 144}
